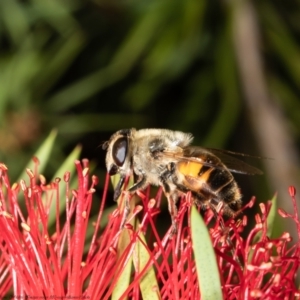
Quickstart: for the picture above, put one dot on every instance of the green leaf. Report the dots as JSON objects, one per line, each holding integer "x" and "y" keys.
{"x": 148, "y": 283}
{"x": 206, "y": 264}
{"x": 272, "y": 215}
{"x": 124, "y": 241}
{"x": 43, "y": 154}
{"x": 270, "y": 224}
{"x": 67, "y": 165}
{"x": 124, "y": 278}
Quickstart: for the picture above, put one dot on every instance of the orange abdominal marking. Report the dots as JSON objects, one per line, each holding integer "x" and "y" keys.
{"x": 194, "y": 176}
{"x": 188, "y": 168}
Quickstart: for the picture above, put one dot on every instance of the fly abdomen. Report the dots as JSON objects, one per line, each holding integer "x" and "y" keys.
{"x": 223, "y": 185}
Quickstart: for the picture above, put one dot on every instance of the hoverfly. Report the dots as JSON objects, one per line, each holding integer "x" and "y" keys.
{"x": 162, "y": 157}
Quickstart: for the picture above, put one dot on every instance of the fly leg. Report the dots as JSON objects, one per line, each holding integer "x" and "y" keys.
{"x": 225, "y": 231}
{"x": 173, "y": 212}
{"x": 126, "y": 210}
{"x": 137, "y": 186}
{"x": 170, "y": 192}
{"x": 213, "y": 203}
{"x": 172, "y": 200}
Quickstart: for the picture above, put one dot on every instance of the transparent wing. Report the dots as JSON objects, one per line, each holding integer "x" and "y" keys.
{"x": 219, "y": 159}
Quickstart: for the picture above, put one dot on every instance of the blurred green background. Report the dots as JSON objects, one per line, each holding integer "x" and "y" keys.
{"x": 227, "y": 71}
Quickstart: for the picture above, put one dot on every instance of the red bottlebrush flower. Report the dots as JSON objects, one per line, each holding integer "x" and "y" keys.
{"x": 38, "y": 260}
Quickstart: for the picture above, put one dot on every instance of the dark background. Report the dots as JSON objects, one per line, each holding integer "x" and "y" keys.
{"x": 226, "y": 71}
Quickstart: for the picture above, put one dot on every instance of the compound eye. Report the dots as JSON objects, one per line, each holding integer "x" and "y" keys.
{"x": 119, "y": 151}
